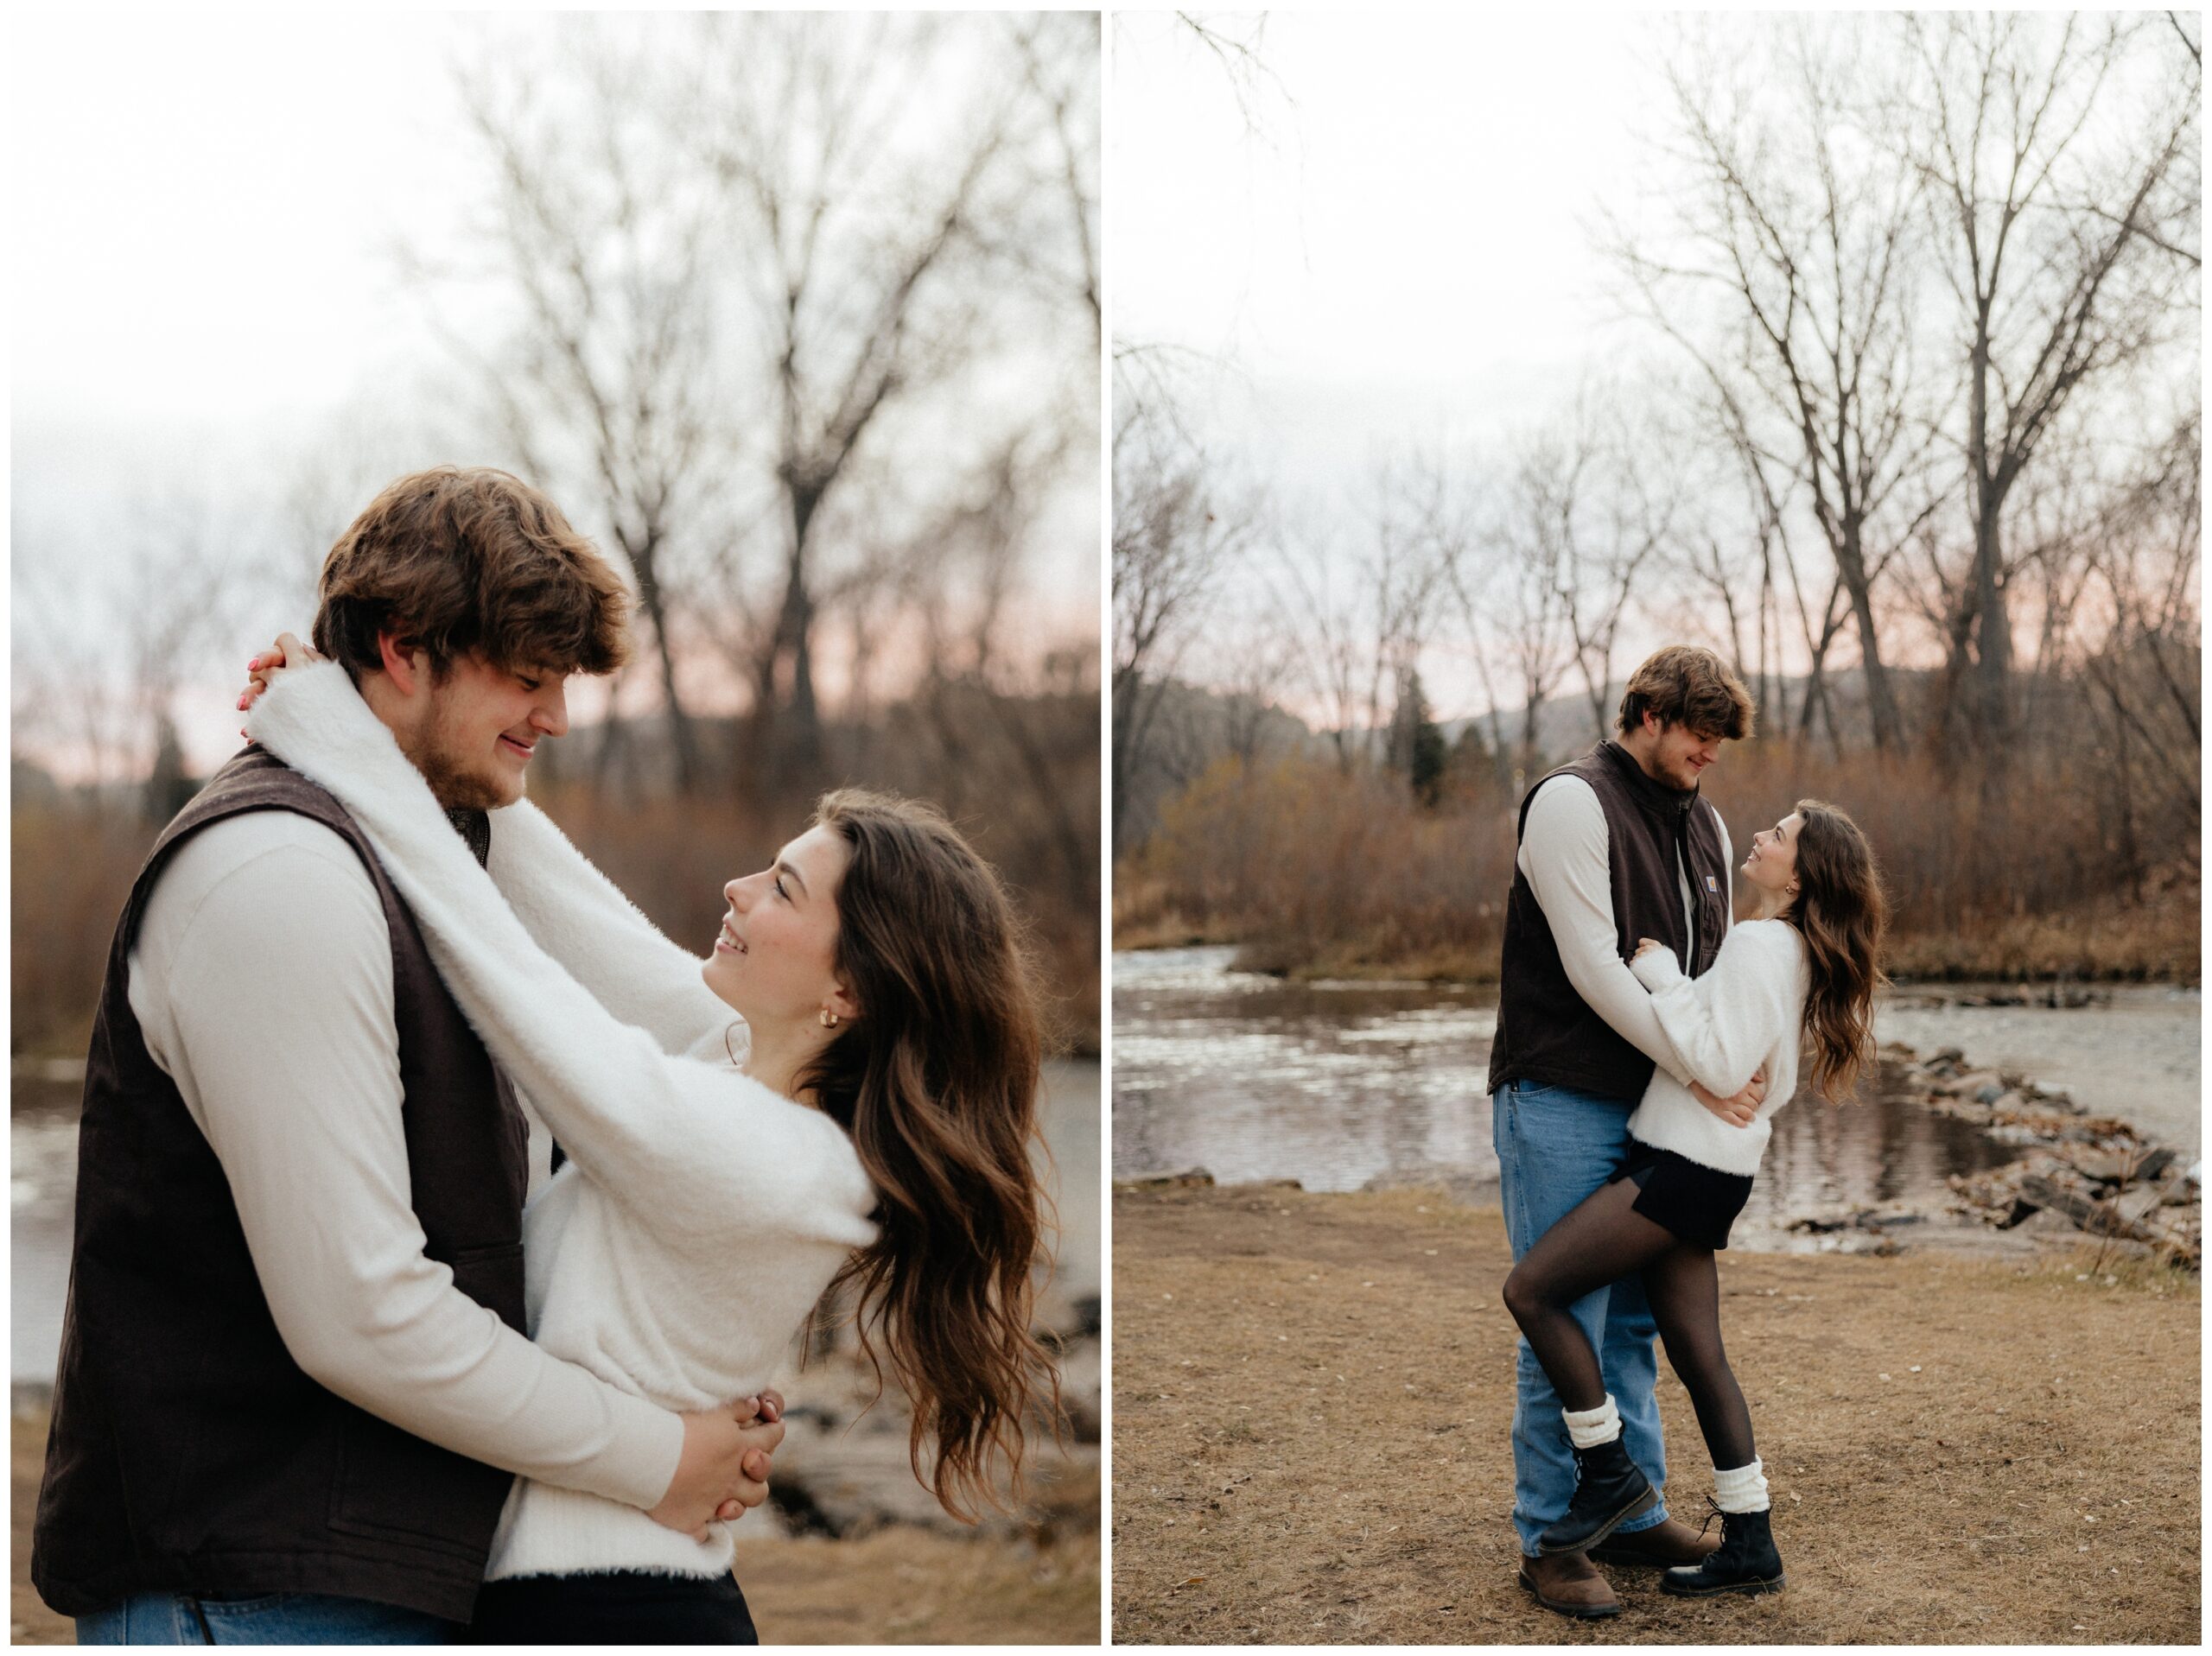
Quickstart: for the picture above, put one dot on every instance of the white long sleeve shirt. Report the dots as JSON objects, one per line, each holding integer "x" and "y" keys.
{"x": 261, "y": 975}
{"x": 1746, "y": 1011}
{"x": 1566, "y": 854}
{"x": 700, "y": 1216}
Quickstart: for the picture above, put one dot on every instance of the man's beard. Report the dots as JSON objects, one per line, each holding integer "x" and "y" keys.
{"x": 461, "y": 790}
{"x": 456, "y": 785}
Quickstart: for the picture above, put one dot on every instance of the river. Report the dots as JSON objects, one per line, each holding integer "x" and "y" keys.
{"x": 1345, "y": 1085}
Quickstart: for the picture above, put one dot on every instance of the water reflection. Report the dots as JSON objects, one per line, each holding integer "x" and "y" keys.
{"x": 1253, "y": 1078}
{"x": 1341, "y": 1086}
{"x": 41, "y": 1197}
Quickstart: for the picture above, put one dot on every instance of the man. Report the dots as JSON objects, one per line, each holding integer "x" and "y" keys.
{"x": 294, "y": 1389}
{"x": 1616, "y": 846}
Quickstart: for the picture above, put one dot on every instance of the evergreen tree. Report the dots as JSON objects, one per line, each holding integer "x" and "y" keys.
{"x": 1415, "y": 747}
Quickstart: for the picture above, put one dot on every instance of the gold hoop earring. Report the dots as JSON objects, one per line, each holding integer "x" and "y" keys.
{"x": 829, "y": 1019}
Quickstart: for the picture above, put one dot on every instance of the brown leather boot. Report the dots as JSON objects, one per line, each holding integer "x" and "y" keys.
{"x": 1569, "y": 1583}
{"x": 1663, "y": 1545}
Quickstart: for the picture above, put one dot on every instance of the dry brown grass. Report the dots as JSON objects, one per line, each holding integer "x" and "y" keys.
{"x": 908, "y": 1586}
{"x": 1312, "y": 1395}
{"x": 897, "y": 1585}
{"x": 2105, "y": 938}
{"x": 1318, "y": 871}
{"x": 69, "y": 871}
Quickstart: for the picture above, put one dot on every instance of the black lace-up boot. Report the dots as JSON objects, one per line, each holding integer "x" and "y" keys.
{"x": 1609, "y": 1490}
{"x": 1744, "y": 1562}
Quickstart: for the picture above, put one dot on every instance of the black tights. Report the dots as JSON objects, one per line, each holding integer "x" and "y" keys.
{"x": 1601, "y": 1241}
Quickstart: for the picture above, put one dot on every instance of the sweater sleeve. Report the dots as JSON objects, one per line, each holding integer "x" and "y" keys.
{"x": 263, "y": 979}
{"x": 1725, "y": 1023}
{"x": 1565, "y": 851}
{"x": 584, "y": 921}
{"x": 690, "y": 1151}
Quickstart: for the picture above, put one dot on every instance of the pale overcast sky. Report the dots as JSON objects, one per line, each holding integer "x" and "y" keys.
{"x": 1391, "y": 240}
{"x": 205, "y": 289}
{"x": 1396, "y": 249}
{"x": 202, "y": 279}
{"x": 203, "y": 207}
{"x": 1403, "y": 238}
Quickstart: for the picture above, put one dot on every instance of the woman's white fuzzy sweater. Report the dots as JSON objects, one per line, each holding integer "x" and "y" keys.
{"x": 700, "y": 1215}
{"x": 1748, "y": 1010}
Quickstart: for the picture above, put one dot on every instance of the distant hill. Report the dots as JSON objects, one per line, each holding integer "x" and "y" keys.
{"x": 1190, "y": 729}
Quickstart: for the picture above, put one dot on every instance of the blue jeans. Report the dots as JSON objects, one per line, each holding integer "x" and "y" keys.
{"x": 1555, "y": 1146}
{"x": 266, "y": 1619}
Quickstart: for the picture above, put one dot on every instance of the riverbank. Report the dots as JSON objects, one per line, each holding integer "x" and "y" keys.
{"x": 2105, "y": 942}
{"x": 895, "y": 1585}
{"x": 1312, "y": 1395}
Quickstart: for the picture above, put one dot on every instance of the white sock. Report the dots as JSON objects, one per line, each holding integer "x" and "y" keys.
{"x": 1740, "y": 1488}
{"x": 1593, "y": 1426}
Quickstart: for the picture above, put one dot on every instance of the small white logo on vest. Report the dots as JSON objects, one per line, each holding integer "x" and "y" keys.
{"x": 1711, "y": 884}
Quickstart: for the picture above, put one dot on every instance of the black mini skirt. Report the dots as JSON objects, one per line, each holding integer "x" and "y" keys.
{"x": 1697, "y": 1203}
{"x": 613, "y": 1607}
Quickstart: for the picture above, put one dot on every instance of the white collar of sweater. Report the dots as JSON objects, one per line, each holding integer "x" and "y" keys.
{"x": 315, "y": 721}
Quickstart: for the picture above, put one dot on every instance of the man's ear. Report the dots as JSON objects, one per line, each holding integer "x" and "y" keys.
{"x": 408, "y": 669}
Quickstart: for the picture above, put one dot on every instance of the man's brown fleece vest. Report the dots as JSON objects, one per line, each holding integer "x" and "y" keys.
{"x": 189, "y": 1453}
{"x": 1547, "y": 1033}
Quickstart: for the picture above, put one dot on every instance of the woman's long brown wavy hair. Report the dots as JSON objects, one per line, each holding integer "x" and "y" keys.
{"x": 1843, "y": 915}
{"x": 937, "y": 1082}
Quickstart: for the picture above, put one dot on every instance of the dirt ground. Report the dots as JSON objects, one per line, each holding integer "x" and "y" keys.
{"x": 900, "y": 1584}
{"x": 1313, "y": 1394}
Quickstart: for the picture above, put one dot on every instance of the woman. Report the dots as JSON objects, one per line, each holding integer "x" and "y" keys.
{"x": 1804, "y": 966}
{"x": 863, "y": 1121}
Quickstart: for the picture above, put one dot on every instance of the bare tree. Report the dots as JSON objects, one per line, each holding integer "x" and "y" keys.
{"x": 1360, "y": 602}
{"x": 108, "y": 657}
{"x": 759, "y": 265}
{"x": 876, "y": 211}
{"x": 1316, "y": 594}
{"x": 1172, "y": 545}
{"x": 1059, "y": 59}
{"x": 2142, "y": 656}
{"x": 2051, "y": 247}
{"x": 1787, "y": 279}
{"x": 1738, "y": 544}
{"x": 1402, "y": 571}
{"x": 599, "y": 236}
{"x": 1528, "y": 599}
{"x": 1251, "y": 667}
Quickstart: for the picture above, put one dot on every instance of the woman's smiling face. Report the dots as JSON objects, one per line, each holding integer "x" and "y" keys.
{"x": 774, "y": 959}
{"x": 1772, "y": 864}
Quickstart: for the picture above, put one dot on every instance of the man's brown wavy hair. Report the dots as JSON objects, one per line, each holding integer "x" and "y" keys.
{"x": 936, "y": 1080}
{"x": 470, "y": 561}
{"x": 1684, "y": 684}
